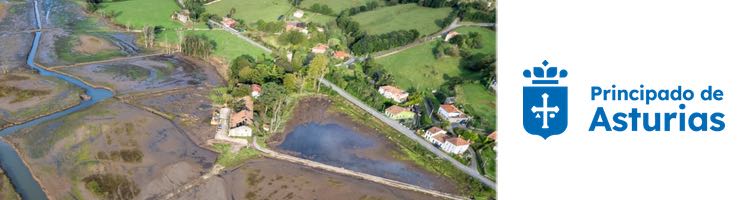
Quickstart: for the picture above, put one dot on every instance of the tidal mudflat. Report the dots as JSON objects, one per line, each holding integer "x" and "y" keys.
{"x": 321, "y": 134}
{"x": 146, "y": 74}
{"x": 25, "y": 95}
{"x": 110, "y": 149}
{"x": 273, "y": 179}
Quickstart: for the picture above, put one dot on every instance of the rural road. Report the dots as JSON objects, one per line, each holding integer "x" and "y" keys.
{"x": 238, "y": 34}
{"x": 454, "y": 25}
{"x": 409, "y": 133}
{"x": 340, "y": 170}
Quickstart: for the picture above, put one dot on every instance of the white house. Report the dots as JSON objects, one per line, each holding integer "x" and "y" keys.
{"x": 455, "y": 145}
{"x": 394, "y": 93}
{"x": 298, "y": 14}
{"x": 241, "y": 131}
{"x": 452, "y": 114}
{"x": 433, "y": 131}
{"x": 437, "y": 139}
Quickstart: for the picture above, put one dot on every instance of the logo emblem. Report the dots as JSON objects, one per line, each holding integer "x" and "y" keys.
{"x": 545, "y": 102}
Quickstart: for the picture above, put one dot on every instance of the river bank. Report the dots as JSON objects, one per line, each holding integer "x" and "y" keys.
{"x": 7, "y": 192}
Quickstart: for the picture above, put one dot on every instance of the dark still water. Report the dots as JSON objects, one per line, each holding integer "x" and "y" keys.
{"x": 337, "y": 145}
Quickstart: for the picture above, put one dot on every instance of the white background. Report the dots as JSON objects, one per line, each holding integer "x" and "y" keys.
{"x": 660, "y": 44}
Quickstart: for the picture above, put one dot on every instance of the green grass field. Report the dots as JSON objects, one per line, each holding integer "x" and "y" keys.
{"x": 251, "y": 10}
{"x": 228, "y": 46}
{"x": 137, "y": 13}
{"x": 417, "y": 67}
{"x": 401, "y": 17}
{"x": 408, "y": 66}
{"x": 488, "y": 162}
{"x": 335, "y": 5}
{"x": 479, "y": 100}
{"x": 318, "y": 18}
{"x": 488, "y": 38}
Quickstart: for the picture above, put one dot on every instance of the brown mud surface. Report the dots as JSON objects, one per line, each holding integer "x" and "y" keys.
{"x": 88, "y": 44}
{"x": 149, "y": 74}
{"x": 272, "y": 179}
{"x": 15, "y": 45}
{"x": 64, "y": 151}
{"x": 318, "y": 110}
{"x": 191, "y": 109}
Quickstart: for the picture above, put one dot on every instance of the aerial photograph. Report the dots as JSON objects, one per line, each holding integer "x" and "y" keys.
{"x": 248, "y": 99}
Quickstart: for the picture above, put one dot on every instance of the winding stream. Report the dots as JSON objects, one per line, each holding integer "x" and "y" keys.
{"x": 10, "y": 162}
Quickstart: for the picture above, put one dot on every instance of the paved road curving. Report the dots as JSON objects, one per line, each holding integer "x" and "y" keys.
{"x": 409, "y": 133}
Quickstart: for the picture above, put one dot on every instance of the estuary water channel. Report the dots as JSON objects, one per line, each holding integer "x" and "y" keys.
{"x": 10, "y": 162}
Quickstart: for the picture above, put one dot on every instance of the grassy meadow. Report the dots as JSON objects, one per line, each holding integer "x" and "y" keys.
{"x": 417, "y": 67}
{"x": 478, "y": 99}
{"x": 251, "y": 10}
{"x": 137, "y": 13}
{"x": 401, "y": 17}
{"x": 335, "y": 5}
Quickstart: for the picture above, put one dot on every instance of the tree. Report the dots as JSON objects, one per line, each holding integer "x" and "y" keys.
{"x": 317, "y": 69}
{"x": 149, "y": 35}
{"x": 197, "y": 45}
{"x": 291, "y": 82}
{"x": 231, "y": 12}
{"x": 195, "y": 7}
{"x": 271, "y": 103}
{"x": 292, "y": 37}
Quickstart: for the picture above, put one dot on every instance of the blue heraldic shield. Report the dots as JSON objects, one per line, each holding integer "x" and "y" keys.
{"x": 545, "y": 110}
{"x": 545, "y": 103}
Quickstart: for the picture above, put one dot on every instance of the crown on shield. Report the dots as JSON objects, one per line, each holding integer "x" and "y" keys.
{"x": 550, "y": 75}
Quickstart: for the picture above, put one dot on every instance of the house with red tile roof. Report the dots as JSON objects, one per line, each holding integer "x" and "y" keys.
{"x": 320, "y": 48}
{"x": 340, "y": 55}
{"x": 399, "y": 113}
{"x": 229, "y": 22}
{"x": 243, "y": 117}
{"x": 394, "y": 93}
{"x": 255, "y": 90}
{"x": 450, "y": 35}
{"x": 435, "y": 135}
{"x": 456, "y": 145}
{"x": 452, "y": 114}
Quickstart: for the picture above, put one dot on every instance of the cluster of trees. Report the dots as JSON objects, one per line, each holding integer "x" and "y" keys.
{"x": 292, "y": 37}
{"x": 424, "y": 3}
{"x": 197, "y": 45}
{"x": 472, "y": 40}
{"x": 247, "y": 70}
{"x": 443, "y": 49}
{"x": 375, "y": 43}
{"x": 458, "y": 45}
{"x": 476, "y": 11}
{"x": 195, "y": 7}
{"x": 364, "y": 85}
{"x": 149, "y": 34}
{"x": 93, "y": 5}
{"x": 372, "y": 5}
{"x": 362, "y": 43}
{"x": 322, "y": 9}
{"x": 270, "y": 27}
{"x": 277, "y": 84}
